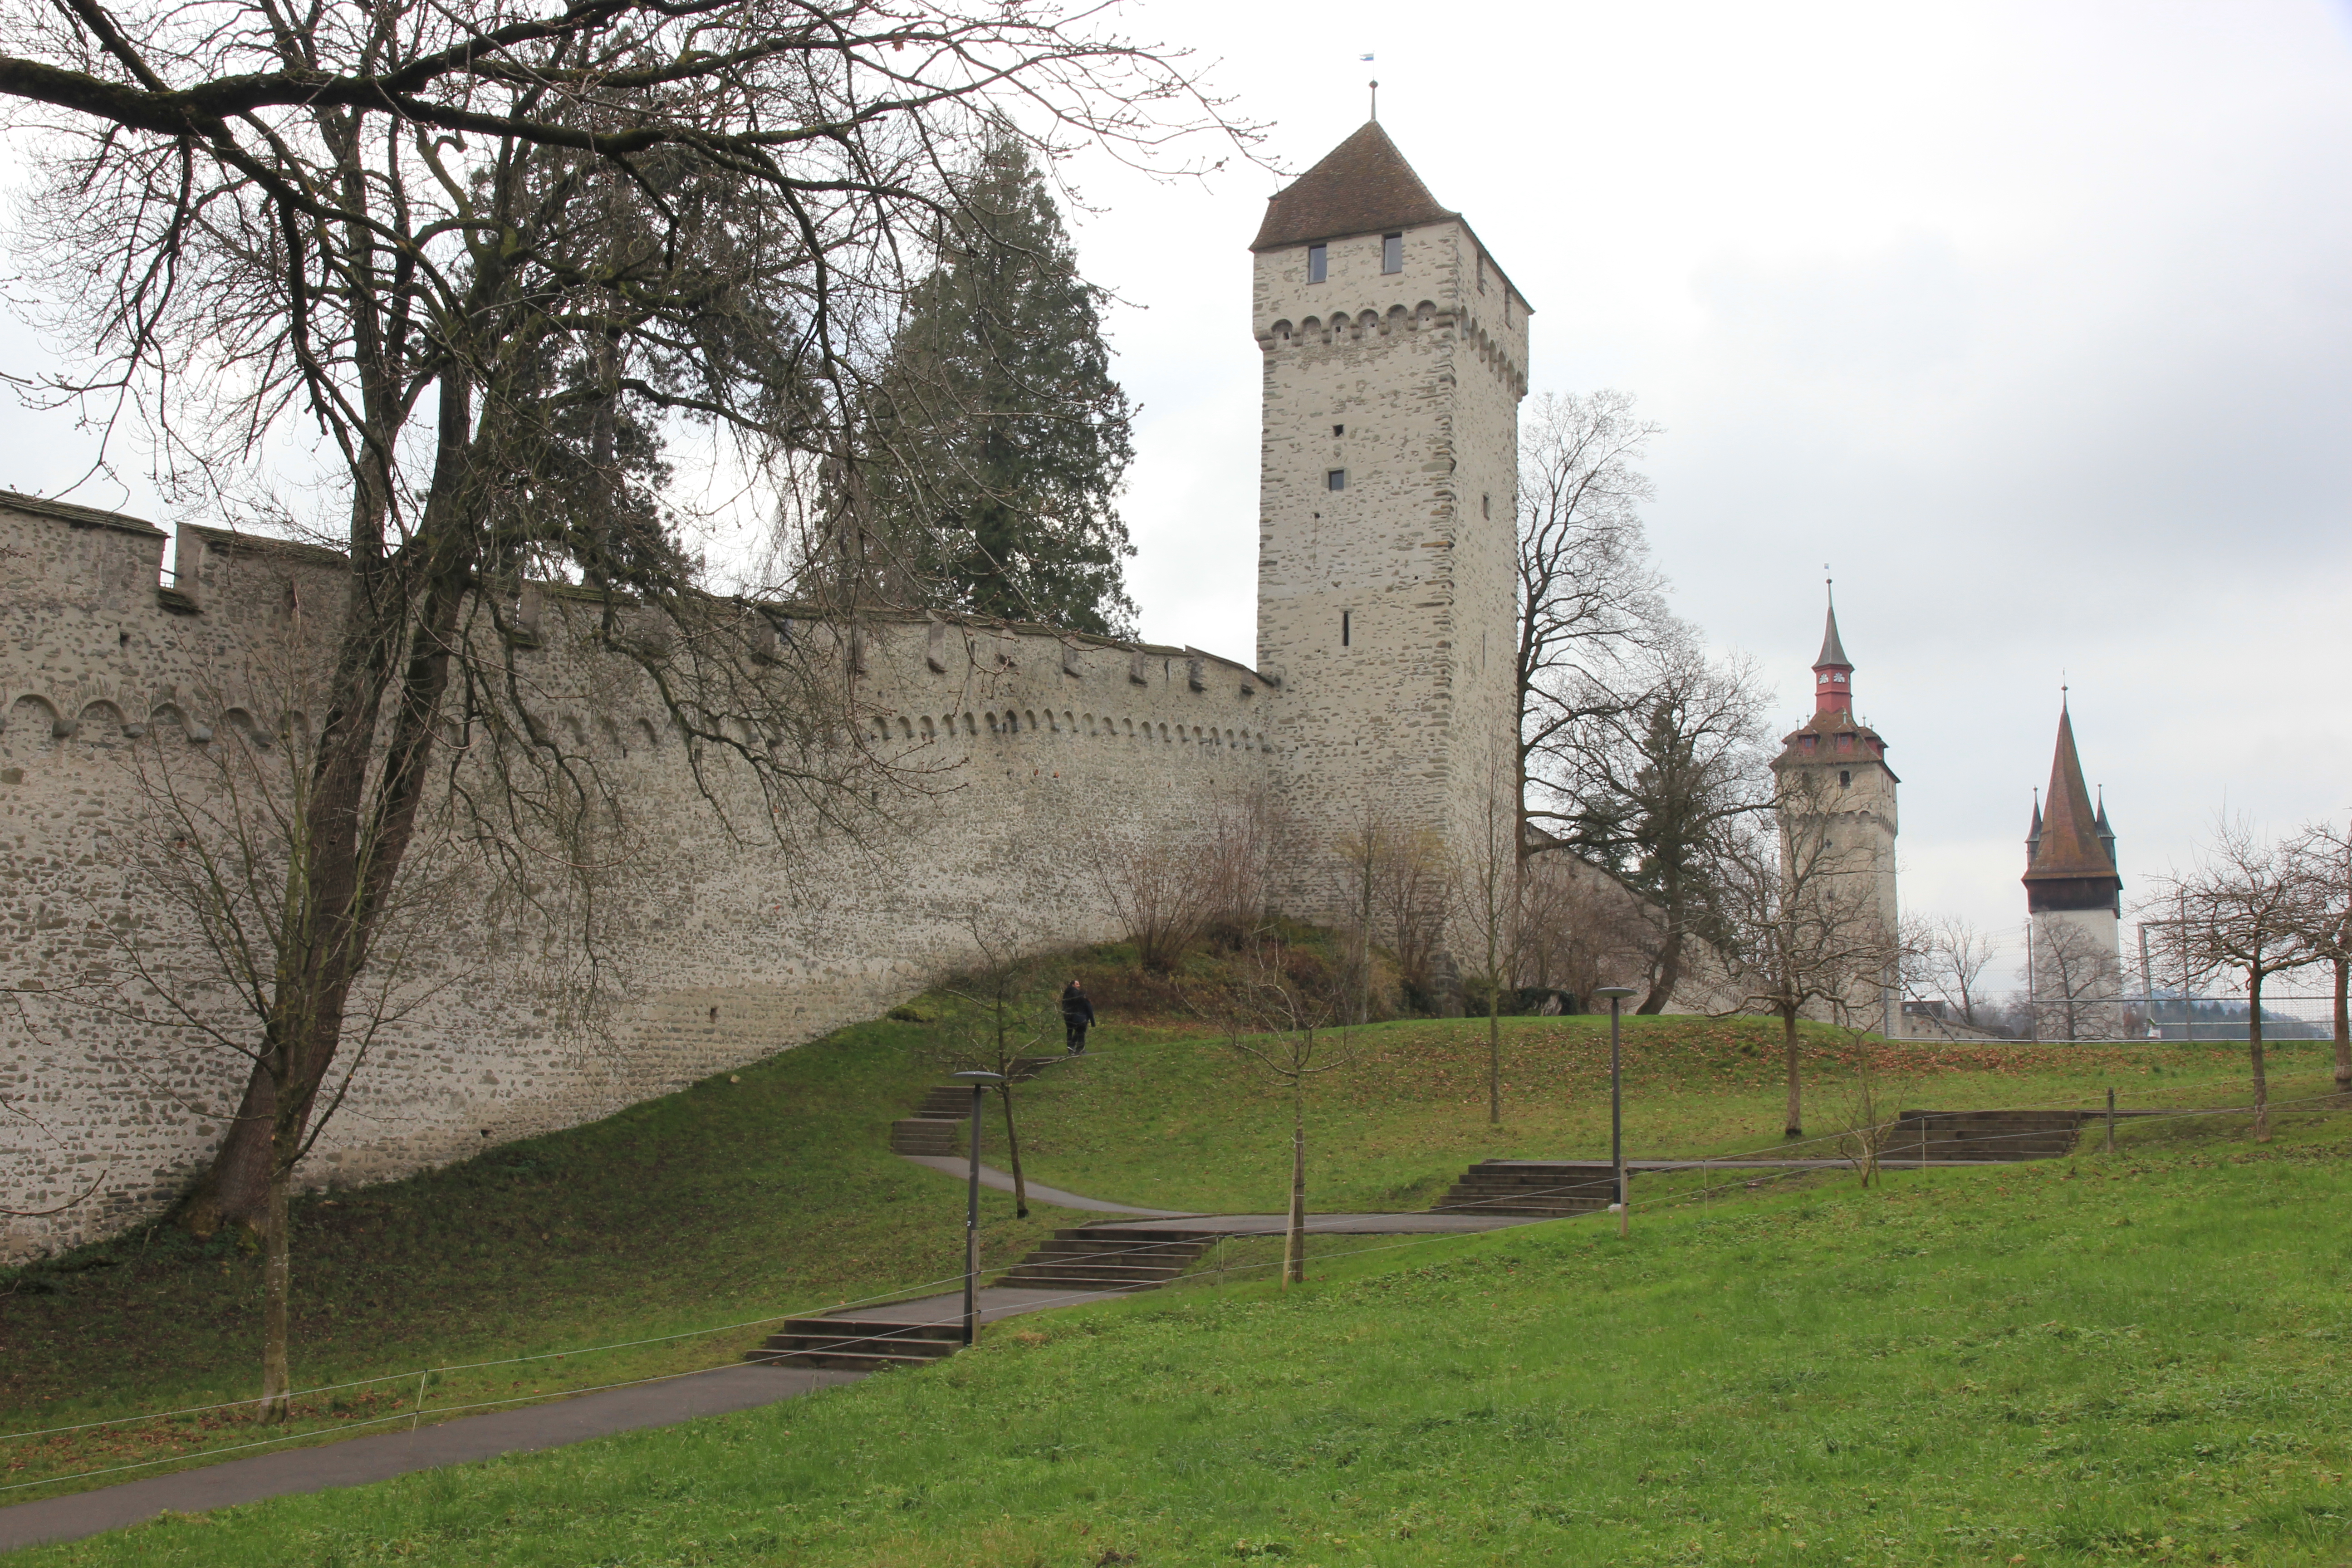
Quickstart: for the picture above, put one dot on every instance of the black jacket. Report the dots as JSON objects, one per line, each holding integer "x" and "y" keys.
{"x": 1075, "y": 1006}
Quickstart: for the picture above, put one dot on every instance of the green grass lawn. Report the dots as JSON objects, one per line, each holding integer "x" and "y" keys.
{"x": 730, "y": 1201}
{"x": 2088, "y": 1360}
{"x": 1185, "y": 1122}
{"x": 734, "y": 1201}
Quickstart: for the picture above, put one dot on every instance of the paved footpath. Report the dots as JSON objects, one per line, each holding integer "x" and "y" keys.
{"x": 356, "y": 1461}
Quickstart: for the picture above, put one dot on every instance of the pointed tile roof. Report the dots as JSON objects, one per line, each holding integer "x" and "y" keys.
{"x": 1833, "y": 650}
{"x": 1362, "y": 187}
{"x": 2070, "y": 845}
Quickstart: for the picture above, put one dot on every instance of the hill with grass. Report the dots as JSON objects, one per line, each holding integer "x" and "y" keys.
{"x": 689, "y": 1221}
{"x": 2141, "y": 1359}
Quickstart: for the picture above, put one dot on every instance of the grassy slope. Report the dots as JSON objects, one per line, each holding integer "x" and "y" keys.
{"x": 2088, "y": 1360}
{"x": 738, "y": 1200}
{"x": 1185, "y": 1122}
{"x": 726, "y": 1202}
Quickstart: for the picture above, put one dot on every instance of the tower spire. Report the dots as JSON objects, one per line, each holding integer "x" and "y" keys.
{"x": 1832, "y": 671}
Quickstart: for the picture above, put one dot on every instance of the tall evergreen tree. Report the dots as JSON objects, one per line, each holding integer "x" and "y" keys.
{"x": 998, "y": 440}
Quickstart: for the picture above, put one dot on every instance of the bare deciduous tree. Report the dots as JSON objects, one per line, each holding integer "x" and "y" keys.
{"x": 1281, "y": 1018}
{"x": 223, "y": 842}
{"x": 1488, "y": 907}
{"x": 491, "y": 261}
{"x": 2321, "y": 858}
{"x": 1803, "y": 935}
{"x": 2077, "y": 984}
{"x": 1000, "y": 1021}
{"x": 1949, "y": 958}
{"x": 2243, "y": 909}
{"x": 1165, "y": 891}
{"x": 1871, "y": 1096}
{"x": 1586, "y": 592}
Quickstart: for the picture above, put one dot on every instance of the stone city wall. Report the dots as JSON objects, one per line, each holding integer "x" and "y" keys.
{"x": 1014, "y": 750}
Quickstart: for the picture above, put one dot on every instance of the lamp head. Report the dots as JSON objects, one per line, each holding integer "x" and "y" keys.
{"x": 1613, "y": 993}
{"x": 978, "y": 1077}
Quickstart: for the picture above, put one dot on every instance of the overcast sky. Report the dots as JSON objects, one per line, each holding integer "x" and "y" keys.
{"x": 2035, "y": 320}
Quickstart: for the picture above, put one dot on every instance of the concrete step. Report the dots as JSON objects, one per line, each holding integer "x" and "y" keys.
{"x": 916, "y": 1135}
{"x": 1530, "y": 1188}
{"x": 839, "y": 1361}
{"x": 1107, "y": 1258}
{"x": 1092, "y": 1268}
{"x": 1134, "y": 1252}
{"x": 859, "y": 1342}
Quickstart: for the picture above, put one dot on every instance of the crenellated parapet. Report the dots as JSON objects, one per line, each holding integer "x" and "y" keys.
{"x": 1498, "y": 355}
{"x": 101, "y": 645}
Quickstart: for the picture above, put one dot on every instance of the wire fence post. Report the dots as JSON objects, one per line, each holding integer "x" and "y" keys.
{"x": 418, "y": 1414}
{"x": 2111, "y": 1119}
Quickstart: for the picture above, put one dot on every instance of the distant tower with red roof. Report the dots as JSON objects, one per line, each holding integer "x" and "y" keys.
{"x": 1838, "y": 820}
{"x": 2074, "y": 900}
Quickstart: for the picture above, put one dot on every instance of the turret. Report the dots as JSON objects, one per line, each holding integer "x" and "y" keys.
{"x": 1838, "y": 793}
{"x": 2075, "y": 898}
{"x": 2070, "y": 862}
{"x": 1832, "y": 671}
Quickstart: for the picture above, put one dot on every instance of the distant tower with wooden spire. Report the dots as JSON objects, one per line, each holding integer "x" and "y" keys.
{"x": 1838, "y": 819}
{"x": 2075, "y": 898}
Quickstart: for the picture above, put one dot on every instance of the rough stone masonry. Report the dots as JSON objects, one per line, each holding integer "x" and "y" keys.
{"x": 1395, "y": 354}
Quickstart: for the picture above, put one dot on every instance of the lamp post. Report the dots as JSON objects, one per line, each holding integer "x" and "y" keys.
{"x": 1617, "y": 994}
{"x": 980, "y": 1082}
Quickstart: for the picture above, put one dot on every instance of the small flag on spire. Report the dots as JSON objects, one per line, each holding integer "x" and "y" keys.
{"x": 1363, "y": 56}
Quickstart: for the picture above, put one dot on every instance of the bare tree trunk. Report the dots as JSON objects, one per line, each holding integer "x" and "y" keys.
{"x": 341, "y": 899}
{"x": 1795, "y": 1125}
{"x": 1293, "y": 1245}
{"x": 1493, "y": 1055}
{"x": 278, "y": 1280}
{"x": 2254, "y": 1052}
{"x": 1013, "y": 1150}
{"x": 1670, "y": 974}
{"x": 2343, "y": 1028}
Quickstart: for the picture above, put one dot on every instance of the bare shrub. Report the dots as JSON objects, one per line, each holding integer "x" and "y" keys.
{"x": 1277, "y": 1008}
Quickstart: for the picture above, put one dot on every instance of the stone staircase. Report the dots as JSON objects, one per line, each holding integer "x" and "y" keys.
{"x": 1553, "y": 1189}
{"x": 859, "y": 1345}
{"x": 1108, "y": 1257}
{"x": 942, "y": 1123}
{"x": 1548, "y": 1189}
{"x": 1982, "y": 1137}
{"x": 1084, "y": 1260}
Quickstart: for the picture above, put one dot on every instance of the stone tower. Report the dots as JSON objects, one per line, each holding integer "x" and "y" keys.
{"x": 2075, "y": 900}
{"x": 1838, "y": 793}
{"x": 1395, "y": 356}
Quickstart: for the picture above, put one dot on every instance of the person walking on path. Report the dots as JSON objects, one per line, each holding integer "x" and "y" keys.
{"x": 1078, "y": 1015}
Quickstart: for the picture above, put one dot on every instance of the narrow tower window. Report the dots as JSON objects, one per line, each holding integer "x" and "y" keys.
{"x": 1486, "y": 506}
{"x": 1392, "y": 253}
{"x": 1336, "y": 480}
{"x": 1339, "y": 429}
{"x": 1319, "y": 262}
{"x": 1845, "y": 778}
{"x": 1347, "y": 629}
